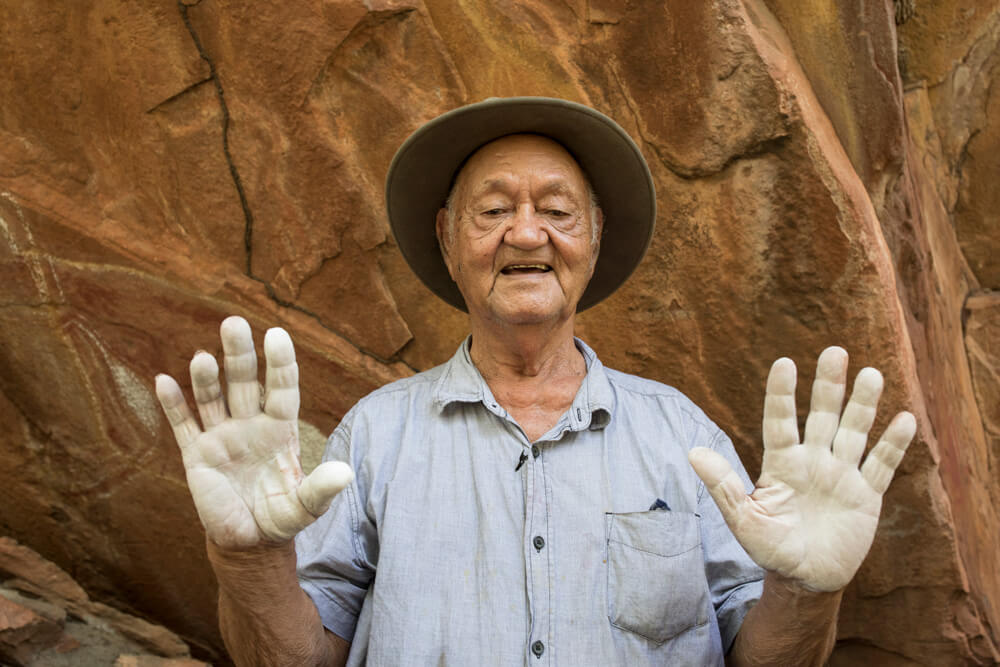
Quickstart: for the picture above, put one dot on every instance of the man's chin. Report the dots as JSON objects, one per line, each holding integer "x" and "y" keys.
{"x": 530, "y": 313}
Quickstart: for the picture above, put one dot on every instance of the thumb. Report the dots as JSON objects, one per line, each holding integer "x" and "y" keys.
{"x": 722, "y": 482}
{"x": 326, "y": 481}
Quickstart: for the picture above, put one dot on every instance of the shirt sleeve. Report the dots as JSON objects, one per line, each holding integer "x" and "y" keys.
{"x": 735, "y": 581}
{"x": 338, "y": 552}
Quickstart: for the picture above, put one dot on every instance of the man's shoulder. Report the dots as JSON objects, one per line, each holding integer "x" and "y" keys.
{"x": 389, "y": 407}
{"x": 418, "y": 385}
{"x": 634, "y": 389}
{"x": 639, "y": 385}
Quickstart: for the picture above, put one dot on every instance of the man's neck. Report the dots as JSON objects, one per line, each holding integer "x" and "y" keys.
{"x": 534, "y": 372}
{"x": 518, "y": 354}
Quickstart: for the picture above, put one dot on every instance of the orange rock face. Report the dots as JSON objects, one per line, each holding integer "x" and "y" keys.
{"x": 825, "y": 176}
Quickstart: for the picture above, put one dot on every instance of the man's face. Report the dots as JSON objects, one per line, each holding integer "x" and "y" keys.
{"x": 522, "y": 245}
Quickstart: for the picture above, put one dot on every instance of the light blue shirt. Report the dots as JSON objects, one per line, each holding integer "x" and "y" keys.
{"x": 461, "y": 542}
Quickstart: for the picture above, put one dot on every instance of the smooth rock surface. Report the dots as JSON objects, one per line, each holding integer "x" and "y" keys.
{"x": 826, "y": 174}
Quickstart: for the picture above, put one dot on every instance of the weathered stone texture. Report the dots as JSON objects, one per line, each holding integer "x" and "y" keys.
{"x": 848, "y": 51}
{"x": 47, "y": 620}
{"x": 824, "y": 176}
{"x": 982, "y": 343}
{"x": 953, "y": 50}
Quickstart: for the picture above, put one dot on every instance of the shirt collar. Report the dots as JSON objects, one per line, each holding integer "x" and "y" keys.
{"x": 592, "y": 407}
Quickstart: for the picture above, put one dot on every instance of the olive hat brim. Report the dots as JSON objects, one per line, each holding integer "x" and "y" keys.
{"x": 425, "y": 166}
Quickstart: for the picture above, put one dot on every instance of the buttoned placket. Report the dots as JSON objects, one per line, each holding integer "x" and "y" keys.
{"x": 537, "y": 558}
{"x": 536, "y": 544}
{"x": 535, "y": 539}
{"x": 537, "y": 547}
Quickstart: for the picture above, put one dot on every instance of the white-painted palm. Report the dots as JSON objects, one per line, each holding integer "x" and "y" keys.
{"x": 813, "y": 513}
{"x": 242, "y": 464}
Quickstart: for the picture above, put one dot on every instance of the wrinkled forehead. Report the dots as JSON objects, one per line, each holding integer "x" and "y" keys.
{"x": 501, "y": 153}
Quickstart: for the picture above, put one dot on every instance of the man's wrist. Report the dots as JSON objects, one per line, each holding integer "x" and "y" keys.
{"x": 266, "y": 569}
{"x": 790, "y": 590}
{"x": 259, "y": 553}
{"x": 790, "y": 624}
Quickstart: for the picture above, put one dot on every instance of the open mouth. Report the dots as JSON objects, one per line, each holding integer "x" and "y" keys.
{"x": 521, "y": 269}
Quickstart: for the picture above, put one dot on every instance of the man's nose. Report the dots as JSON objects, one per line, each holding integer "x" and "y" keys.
{"x": 527, "y": 229}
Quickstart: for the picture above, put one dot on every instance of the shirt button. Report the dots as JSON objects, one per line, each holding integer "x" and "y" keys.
{"x": 539, "y": 542}
{"x": 535, "y": 451}
{"x": 538, "y": 648}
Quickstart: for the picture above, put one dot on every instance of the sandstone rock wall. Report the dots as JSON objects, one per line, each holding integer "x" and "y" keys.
{"x": 47, "y": 620}
{"x": 826, "y": 174}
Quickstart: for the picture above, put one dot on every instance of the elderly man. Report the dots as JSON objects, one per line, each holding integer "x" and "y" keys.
{"x": 522, "y": 504}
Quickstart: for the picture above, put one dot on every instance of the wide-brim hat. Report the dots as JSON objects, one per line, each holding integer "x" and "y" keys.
{"x": 425, "y": 166}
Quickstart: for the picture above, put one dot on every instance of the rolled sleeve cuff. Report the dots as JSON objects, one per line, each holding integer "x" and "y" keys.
{"x": 731, "y": 612}
{"x": 334, "y": 617}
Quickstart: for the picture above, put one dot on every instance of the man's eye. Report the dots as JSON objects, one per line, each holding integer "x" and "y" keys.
{"x": 493, "y": 211}
{"x": 556, "y": 213}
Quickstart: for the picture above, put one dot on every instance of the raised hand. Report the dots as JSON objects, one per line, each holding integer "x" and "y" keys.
{"x": 813, "y": 513}
{"x": 242, "y": 464}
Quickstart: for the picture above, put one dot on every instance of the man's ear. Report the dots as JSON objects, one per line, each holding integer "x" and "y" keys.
{"x": 598, "y": 233}
{"x": 444, "y": 238}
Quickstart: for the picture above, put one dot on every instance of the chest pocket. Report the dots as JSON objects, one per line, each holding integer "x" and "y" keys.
{"x": 656, "y": 573}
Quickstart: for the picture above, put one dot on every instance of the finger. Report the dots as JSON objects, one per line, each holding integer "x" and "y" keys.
{"x": 721, "y": 481}
{"x": 827, "y": 399}
{"x": 242, "y": 388}
{"x": 882, "y": 461}
{"x": 177, "y": 411}
{"x": 780, "y": 426}
{"x": 281, "y": 397}
{"x": 318, "y": 489}
{"x": 852, "y": 434}
{"x": 207, "y": 391}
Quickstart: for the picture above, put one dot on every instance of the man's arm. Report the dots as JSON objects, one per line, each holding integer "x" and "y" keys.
{"x": 812, "y": 516}
{"x": 264, "y": 615}
{"x": 789, "y": 625}
{"x": 243, "y": 471}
